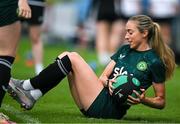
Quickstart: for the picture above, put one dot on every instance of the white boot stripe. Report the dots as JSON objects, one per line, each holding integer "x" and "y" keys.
{"x": 61, "y": 68}
{"x": 6, "y": 64}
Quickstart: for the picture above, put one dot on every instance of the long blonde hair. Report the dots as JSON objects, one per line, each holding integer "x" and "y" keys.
{"x": 155, "y": 41}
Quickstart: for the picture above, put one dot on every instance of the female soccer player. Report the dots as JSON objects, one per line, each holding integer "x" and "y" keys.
{"x": 9, "y": 36}
{"x": 146, "y": 57}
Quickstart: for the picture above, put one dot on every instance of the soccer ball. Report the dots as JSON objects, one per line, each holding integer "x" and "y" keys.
{"x": 124, "y": 86}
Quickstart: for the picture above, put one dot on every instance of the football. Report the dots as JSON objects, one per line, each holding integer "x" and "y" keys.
{"x": 124, "y": 86}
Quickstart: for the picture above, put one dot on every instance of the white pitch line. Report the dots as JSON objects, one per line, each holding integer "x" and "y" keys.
{"x": 28, "y": 119}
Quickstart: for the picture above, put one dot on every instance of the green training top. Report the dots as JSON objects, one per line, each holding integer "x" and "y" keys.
{"x": 5, "y": 3}
{"x": 146, "y": 66}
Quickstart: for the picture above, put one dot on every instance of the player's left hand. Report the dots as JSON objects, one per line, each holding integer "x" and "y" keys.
{"x": 23, "y": 9}
{"x": 111, "y": 88}
{"x": 140, "y": 97}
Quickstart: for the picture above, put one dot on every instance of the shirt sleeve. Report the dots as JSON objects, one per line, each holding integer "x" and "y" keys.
{"x": 115, "y": 55}
{"x": 158, "y": 72}
{"x": 119, "y": 51}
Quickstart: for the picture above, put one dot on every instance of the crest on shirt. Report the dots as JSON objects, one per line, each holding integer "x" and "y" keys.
{"x": 142, "y": 66}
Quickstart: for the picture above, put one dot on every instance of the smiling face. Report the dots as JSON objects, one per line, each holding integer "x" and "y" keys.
{"x": 136, "y": 39}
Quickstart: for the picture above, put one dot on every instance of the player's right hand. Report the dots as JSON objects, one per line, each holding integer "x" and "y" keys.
{"x": 24, "y": 9}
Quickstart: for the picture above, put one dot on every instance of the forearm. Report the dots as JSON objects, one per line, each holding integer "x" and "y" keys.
{"x": 103, "y": 79}
{"x": 23, "y": 1}
{"x": 156, "y": 102}
{"x": 106, "y": 73}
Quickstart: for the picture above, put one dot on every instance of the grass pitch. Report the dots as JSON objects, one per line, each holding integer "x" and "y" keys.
{"x": 58, "y": 106}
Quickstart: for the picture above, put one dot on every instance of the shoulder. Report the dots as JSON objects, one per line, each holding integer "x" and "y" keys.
{"x": 153, "y": 57}
{"x": 155, "y": 61}
{"x": 156, "y": 67}
{"x": 124, "y": 48}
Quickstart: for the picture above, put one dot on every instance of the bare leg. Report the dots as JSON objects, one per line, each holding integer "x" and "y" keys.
{"x": 9, "y": 37}
{"x": 102, "y": 41}
{"x": 37, "y": 47}
{"x": 166, "y": 31}
{"x": 117, "y": 35}
{"x": 74, "y": 91}
{"x": 84, "y": 83}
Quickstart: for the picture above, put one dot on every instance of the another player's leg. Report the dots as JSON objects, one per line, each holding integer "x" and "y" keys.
{"x": 117, "y": 35}
{"x": 5, "y": 74}
{"x": 35, "y": 34}
{"x": 37, "y": 47}
{"x": 102, "y": 39}
{"x": 9, "y": 37}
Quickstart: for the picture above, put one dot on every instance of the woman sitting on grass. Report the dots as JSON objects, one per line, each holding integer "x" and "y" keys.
{"x": 146, "y": 57}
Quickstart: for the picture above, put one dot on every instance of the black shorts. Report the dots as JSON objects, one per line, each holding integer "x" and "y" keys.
{"x": 37, "y": 15}
{"x": 163, "y": 20}
{"x": 105, "y": 107}
{"x": 106, "y": 11}
{"x": 8, "y": 14}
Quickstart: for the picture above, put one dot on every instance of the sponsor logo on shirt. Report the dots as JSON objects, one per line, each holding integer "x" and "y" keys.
{"x": 119, "y": 71}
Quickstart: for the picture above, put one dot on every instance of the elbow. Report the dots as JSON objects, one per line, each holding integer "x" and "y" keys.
{"x": 161, "y": 106}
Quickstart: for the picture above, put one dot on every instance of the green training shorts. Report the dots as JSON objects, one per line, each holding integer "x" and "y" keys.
{"x": 105, "y": 107}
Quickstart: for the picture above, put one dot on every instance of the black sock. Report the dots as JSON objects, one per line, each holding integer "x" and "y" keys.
{"x": 52, "y": 75}
{"x": 5, "y": 74}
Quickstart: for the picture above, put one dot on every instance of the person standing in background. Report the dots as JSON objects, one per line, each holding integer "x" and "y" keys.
{"x": 111, "y": 18}
{"x": 164, "y": 12}
{"x": 34, "y": 26}
{"x": 125, "y": 9}
{"x": 107, "y": 29}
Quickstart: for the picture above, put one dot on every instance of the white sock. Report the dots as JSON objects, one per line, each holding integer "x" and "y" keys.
{"x": 104, "y": 58}
{"x": 36, "y": 94}
{"x": 38, "y": 68}
{"x": 27, "y": 85}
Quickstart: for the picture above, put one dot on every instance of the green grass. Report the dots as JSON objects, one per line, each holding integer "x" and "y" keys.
{"x": 58, "y": 106}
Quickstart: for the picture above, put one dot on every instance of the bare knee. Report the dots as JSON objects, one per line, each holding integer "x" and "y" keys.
{"x": 35, "y": 39}
{"x": 74, "y": 56}
{"x": 63, "y": 54}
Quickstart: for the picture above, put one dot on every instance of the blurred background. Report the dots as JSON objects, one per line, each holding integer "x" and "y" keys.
{"x": 75, "y": 21}
{"x": 86, "y": 23}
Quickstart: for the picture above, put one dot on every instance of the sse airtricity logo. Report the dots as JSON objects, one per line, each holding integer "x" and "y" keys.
{"x": 142, "y": 66}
